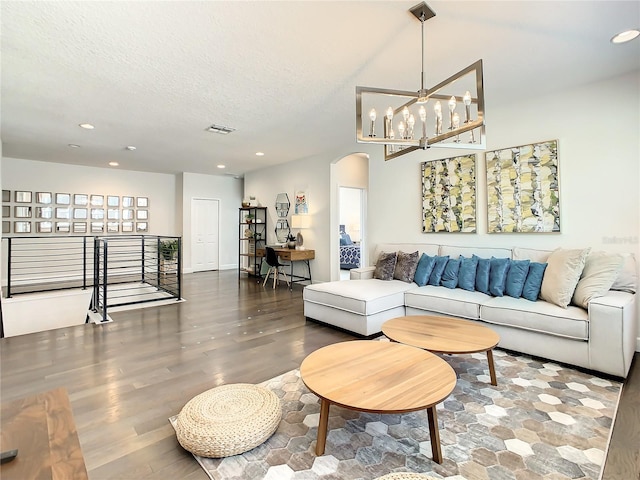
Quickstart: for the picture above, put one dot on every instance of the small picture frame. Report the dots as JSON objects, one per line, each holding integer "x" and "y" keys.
{"x": 80, "y": 213}
{"x": 127, "y": 214}
{"x": 97, "y": 227}
{"x": 127, "y": 202}
{"x": 97, "y": 213}
{"x": 44, "y": 198}
{"x": 63, "y": 227}
{"x": 22, "y": 197}
{"x": 142, "y": 214}
{"x": 142, "y": 202}
{"x": 113, "y": 214}
{"x": 6, "y": 197}
{"x": 22, "y": 212}
{"x": 44, "y": 212}
{"x": 142, "y": 227}
{"x": 113, "y": 227}
{"x": 6, "y": 226}
{"x": 81, "y": 199}
{"x": 44, "y": 227}
{"x": 21, "y": 227}
{"x": 113, "y": 201}
{"x": 97, "y": 200}
{"x": 6, "y": 211}
{"x": 63, "y": 198}
{"x": 62, "y": 212}
{"x": 127, "y": 227}
{"x": 79, "y": 227}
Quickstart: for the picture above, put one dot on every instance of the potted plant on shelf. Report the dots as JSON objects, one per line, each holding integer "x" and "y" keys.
{"x": 291, "y": 241}
{"x": 249, "y": 217}
{"x": 169, "y": 249}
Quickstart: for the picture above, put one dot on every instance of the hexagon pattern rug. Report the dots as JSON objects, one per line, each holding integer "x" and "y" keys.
{"x": 542, "y": 421}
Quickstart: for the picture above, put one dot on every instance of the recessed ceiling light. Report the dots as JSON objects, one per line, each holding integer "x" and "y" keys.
{"x": 220, "y": 129}
{"x": 627, "y": 36}
{"x": 88, "y": 126}
{"x": 260, "y": 154}
{"x": 131, "y": 148}
{"x": 73, "y": 145}
{"x": 114, "y": 164}
{"x": 221, "y": 166}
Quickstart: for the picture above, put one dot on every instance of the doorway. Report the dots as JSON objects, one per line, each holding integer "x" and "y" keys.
{"x": 205, "y": 226}
{"x": 351, "y": 226}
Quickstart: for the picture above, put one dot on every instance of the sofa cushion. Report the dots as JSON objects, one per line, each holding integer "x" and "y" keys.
{"x": 564, "y": 268}
{"x": 406, "y": 264}
{"x": 533, "y": 282}
{"x": 498, "y": 276}
{"x": 628, "y": 278}
{"x": 450, "y": 274}
{"x": 600, "y": 271}
{"x": 467, "y": 273}
{"x": 482, "y": 275}
{"x": 544, "y": 317}
{"x": 438, "y": 269}
{"x": 445, "y": 301}
{"x": 482, "y": 252}
{"x": 424, "y": 269}
{"x": 363, "y": 297}
{"x": 516, "y": 276}
{"x": 385, "y": 266}
{"x": 531, "y": 254}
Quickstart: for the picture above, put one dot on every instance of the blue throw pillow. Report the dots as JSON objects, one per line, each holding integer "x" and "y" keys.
{"x": 424, "y": 269}
{"x": 531, "y": 288}
{"x": 516, "y": 276}
{"x": 467, "y": 273}
{"x": 498, "y": 276}
{"x": 438, "y": 270}
{"x": 450, "y": 274}
{"x": 482, "y": 275}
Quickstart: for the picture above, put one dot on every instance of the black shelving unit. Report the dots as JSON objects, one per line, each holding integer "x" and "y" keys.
{"x": 252, "y": 230}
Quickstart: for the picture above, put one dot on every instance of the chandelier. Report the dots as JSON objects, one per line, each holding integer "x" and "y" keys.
{"x": 449, "y": 115}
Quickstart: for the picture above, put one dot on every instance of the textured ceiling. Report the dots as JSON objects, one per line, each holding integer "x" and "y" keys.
{"x": 283, "y": 74}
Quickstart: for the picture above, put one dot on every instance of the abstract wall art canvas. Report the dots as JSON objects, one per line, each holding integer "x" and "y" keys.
{"x": 449, "y": 195}
{"x": 523, "y": 193}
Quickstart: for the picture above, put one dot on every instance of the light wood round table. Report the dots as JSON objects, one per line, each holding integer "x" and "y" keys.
{"x": 444, "y": 335}
{"x": 378, "y": 377}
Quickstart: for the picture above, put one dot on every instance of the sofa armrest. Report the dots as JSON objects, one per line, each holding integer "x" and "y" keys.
{"x": 612, "y": 332}
{"x": 362, "y": 273}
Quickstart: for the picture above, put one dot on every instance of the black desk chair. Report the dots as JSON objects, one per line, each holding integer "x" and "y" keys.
{"x": 274, "y": 267}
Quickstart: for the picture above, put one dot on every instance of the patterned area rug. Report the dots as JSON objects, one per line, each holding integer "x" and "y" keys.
{"x": 542, "y": 421}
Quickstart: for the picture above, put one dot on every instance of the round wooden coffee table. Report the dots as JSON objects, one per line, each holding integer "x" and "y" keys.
{"x": 378, "y": 377}
{"x": 444, "y": 335}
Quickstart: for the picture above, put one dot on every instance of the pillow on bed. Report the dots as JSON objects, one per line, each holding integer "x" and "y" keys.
{"x": 385, "y": 266}
{"x": 345, "y": 239}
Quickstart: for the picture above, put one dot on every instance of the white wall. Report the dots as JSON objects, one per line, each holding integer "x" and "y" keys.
{"x": 228, "y": 191}
{"x": 35, "y": 176}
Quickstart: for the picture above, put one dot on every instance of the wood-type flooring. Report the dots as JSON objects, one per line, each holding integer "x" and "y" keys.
{"x": 126, "y": 378}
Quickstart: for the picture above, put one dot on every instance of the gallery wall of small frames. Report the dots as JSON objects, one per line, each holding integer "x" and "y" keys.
{"x": 43, "y": 213}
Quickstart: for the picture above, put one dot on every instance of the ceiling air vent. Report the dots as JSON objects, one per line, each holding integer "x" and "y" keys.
{"x": 222, "y": 130}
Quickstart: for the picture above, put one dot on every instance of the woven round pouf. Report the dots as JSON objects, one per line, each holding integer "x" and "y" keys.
{"x": 228, "y": 420}
{"x": 405, "y": 476}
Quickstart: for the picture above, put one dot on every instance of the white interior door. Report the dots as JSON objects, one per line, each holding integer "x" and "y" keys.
{"x": 205, "y": 214}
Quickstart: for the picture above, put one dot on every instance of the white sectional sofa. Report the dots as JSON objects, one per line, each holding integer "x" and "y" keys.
{"x": 601, "y": 337}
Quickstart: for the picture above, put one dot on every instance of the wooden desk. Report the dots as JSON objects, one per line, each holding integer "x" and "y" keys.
{"x": 292, "y": 255}
{"x": 42, "y": 428}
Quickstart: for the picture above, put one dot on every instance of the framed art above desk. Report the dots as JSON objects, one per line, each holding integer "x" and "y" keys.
{"x": 292, "y": 255}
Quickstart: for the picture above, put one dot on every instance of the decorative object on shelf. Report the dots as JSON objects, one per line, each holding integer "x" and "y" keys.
{"x": 523, "y": 191}
{"x": 245, "y": 203}
{"x": 248, "y": 233}
{"x": 449, "y": 195}
{"x": 249, "y": 217}
{"x": 399, "y": 121}
{"x": 291, "y": 241}
{"x": 300, "y": 222}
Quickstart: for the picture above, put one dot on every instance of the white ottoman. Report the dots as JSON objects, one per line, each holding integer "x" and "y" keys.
{"x": 228, "y": 420}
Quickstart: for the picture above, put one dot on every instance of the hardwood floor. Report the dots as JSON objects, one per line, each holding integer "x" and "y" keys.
{"x": 126, "y": 378}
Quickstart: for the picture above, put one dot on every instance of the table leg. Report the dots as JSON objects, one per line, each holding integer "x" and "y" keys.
{"x": 435, "y": 434}
{"x": 322, "y": 426}
{"x": 291, "y": 275}
{"x": 309, "y": 268}
{"x": 492, "y": 368}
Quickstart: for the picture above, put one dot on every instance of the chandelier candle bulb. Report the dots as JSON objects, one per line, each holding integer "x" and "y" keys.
{"x": 423, "y": 118}
{"x": 373, "y": 116}
{"x": 452, "y": 108}
{"x": 456, "y": 125}
{"x": 410, "y": 124}
{"x": 467, "y": 104}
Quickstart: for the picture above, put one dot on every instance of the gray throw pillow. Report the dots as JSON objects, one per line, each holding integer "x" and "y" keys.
{"x": 385, "y": 266}
{"x": 406, "y": 265}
